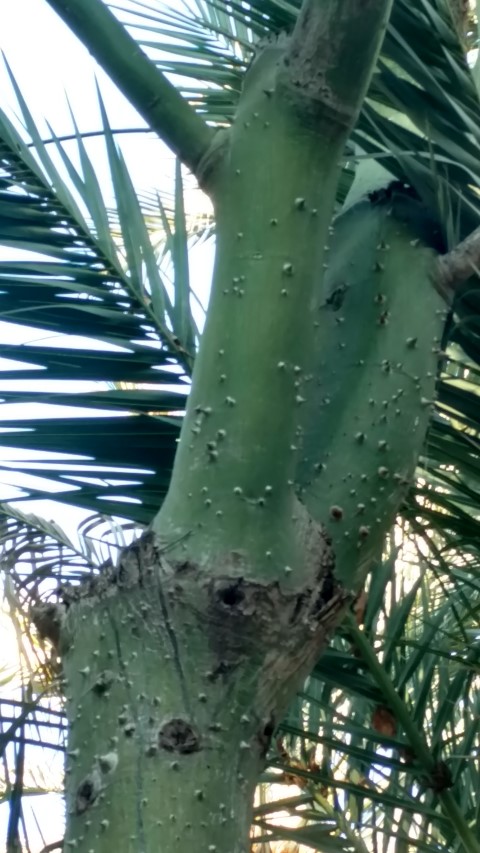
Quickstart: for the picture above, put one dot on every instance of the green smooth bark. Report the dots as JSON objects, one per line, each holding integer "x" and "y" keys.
{"x": 378, "y": 324}
{"x": 274, "y": 192}
{"x": 180, "y": 664}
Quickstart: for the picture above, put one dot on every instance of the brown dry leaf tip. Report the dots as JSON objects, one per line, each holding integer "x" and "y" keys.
{"x": 384, "y": 722}
{"x": 359, "y": 607}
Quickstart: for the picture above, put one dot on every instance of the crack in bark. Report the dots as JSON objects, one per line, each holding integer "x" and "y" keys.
{"x": 173, "y": 642}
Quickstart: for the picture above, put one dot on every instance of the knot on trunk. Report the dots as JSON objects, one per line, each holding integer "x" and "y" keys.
{"x": 178, "y": 735}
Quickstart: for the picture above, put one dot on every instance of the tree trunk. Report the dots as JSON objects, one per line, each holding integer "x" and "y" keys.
{"x": 188, "y": 675}
{"x": 180, "y": 663}
{"x": 306, "y": 415}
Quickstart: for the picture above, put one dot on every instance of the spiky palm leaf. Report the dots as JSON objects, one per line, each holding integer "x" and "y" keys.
{"x": 69, "y": 276}
{"x": 32, "y": 731}
{"x": 381, "y": 703}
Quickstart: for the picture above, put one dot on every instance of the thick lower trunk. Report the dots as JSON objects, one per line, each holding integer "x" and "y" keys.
{"x": 175, "y": 681}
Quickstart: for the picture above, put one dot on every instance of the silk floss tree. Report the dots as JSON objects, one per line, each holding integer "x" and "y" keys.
{"x": 311, "y": 394}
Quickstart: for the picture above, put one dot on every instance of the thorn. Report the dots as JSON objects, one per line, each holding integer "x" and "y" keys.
{"x": 336, "y": 513}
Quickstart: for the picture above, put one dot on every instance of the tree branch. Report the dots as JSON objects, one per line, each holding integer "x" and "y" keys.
{"x": 332, "y": 53}
{"x": 457, "y": 266}
{"x": 147, "y": 89}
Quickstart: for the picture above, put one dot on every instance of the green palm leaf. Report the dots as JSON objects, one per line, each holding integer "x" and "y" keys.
{"x": 69, "y": 277}
{"x": 407, "y": 678}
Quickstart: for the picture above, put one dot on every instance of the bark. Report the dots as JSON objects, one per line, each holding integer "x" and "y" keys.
{"x": 379, "y": 325}
{"x": 458, "y": 265}
{"x": 274, "y": 191}
{"x": 180, "y": 663}
{"x": 188, "y": 675}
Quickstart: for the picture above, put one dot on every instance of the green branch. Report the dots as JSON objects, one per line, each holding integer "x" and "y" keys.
{"x": 332, "y": 54}
{"x": 147, "y": 89}
{"x": 458, "y": 265}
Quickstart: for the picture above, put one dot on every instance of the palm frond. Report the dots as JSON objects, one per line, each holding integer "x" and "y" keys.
{"x": 422, "y": 75}
{"x": 387, "y": 725}
{"x": 32, "y": 725}
{"x": 112, "y": 313}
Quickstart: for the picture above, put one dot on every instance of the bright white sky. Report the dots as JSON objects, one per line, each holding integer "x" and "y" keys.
{"x": 48, "y": 62}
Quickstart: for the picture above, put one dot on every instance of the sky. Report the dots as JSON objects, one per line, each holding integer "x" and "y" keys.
{"x": 48, "y": 63}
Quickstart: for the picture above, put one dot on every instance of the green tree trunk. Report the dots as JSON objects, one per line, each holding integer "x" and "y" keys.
{"x": 308, "y": 409}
